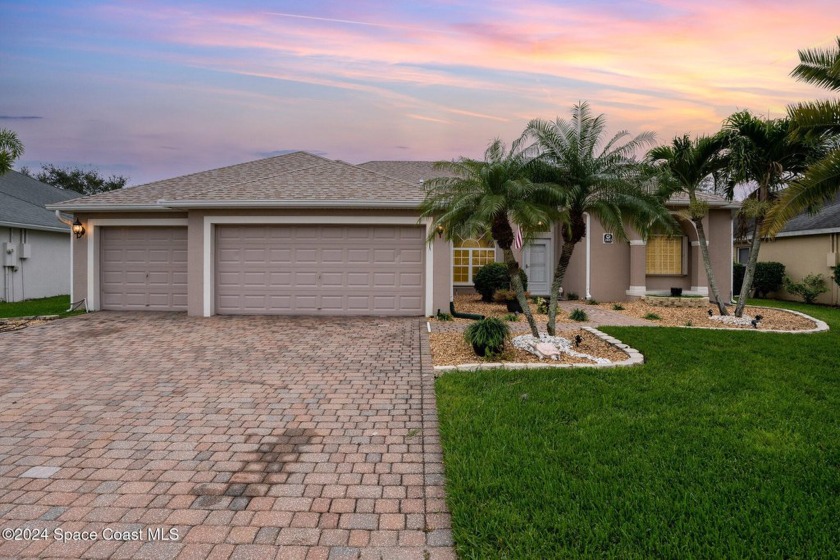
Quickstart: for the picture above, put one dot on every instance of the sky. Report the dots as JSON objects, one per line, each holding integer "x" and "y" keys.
{"x": 154, "y": 89}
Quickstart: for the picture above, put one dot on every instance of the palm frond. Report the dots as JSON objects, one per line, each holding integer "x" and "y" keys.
{"x": 819, "y": 185}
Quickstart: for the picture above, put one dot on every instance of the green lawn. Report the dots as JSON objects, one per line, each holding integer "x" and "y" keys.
{"x": 56, "y": 305}
{"x": 724, "y": 445}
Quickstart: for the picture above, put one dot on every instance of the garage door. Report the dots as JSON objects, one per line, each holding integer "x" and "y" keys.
{"x": 143, "y": 268}
{"x": 319, "y": 270}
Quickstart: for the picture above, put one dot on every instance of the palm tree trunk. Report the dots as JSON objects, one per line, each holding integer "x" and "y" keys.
{"x": 749, "y": 272}
{"x": 559, "y": 273}
{"x": 707, "y": 261}
{"x": 516, "y": 284}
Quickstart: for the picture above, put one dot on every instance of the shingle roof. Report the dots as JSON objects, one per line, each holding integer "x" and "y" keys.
{"x": 826, "y": 219}
{"x": 291, "y": 179}
{"x": 411, "y": 171}
{"x": 713, "y": 200}
{"x": 22, "y": 201}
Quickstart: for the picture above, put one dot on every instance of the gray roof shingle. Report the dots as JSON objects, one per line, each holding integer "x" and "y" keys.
{"x": 826, "y": 219}
{"x": 298, "y": 178}
{"x": 22, "y": 201}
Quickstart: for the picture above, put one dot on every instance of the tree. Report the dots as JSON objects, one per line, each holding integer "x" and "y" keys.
{"x": 11, "y": 148}
{"x": 485, "y": 196}
{"x": 83, "y": 181}
{"x": 593, "y": 177}
{"x": 765, "y": 152}
{"x": 821, "y": 121}
{"x": 690, "y": 165}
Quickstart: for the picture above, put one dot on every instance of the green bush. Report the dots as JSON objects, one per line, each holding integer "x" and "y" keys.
{"x": 593, "y": 301}
{"x": 737, "y": 277}
{"x": 809, "y": 289}
{"x": 652, "y": 317}
{"x": 493, "y": 277}
{"x": 769, "y": 277}
{"x": 542, "y": 305}
{"x": 836, "y": 270}
{"x": 511, "y": 317}
{"x": 571, "y": 296}
{"x": 578, "y": 315}
{"x": 443, "y": 316}
{"x": 618, "y": 307}
{"x": 487, "y": 336}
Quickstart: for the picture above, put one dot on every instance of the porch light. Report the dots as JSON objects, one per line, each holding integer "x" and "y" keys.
{"x": 440, "y": 231}
{"x": 78, "y": 229}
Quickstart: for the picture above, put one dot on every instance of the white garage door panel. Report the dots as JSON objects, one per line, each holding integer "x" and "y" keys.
{"x": 326, "y": 270}
{"x": 143, "y": 268}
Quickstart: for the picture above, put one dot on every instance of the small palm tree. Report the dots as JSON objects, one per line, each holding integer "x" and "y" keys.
{"x": 592, "y": 177}
{"x": 481, "y": 196}
{"x": 765, "y": 152}
{"x": 11, "y": 148}
{"x": 690, "y": 166}
{"x": 821, "y": 181}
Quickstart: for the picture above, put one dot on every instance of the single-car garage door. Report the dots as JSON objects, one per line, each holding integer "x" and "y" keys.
{"x": 319, "y": 270}
{"x": 143, "y": 268}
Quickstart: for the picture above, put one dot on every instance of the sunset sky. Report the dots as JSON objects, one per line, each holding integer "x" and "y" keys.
{"x": 153, "y": 89}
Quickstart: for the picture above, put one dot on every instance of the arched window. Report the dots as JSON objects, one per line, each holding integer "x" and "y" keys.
{"x": 468, "y": 255}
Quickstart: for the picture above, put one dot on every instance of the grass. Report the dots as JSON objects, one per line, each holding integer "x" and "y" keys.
{"x": 723, "y": 445}
{"x": 56, "y": 305}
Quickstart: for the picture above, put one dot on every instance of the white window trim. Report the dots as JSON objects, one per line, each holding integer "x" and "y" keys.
{"x": 470, "y": 279}
{"x": 210, "y": 223}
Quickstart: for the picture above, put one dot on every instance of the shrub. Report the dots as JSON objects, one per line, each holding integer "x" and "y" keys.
{"x": 542, "y": 305}
{"x": 810, "y": 288}
{"x": 443, "y": 316}
{"x": 737, "y": 277}
{"x": 652, "y": 317}
{"x": 493, "y": 277}
{"x": 572, "y": 296}
{"x": 487, "y": 336}
{"x": 578, "y": 315}
{"x": 511, "y": 317}
{"x": 592, "y": 301}
{"x": 769, "y": 277}
{"x": 836, "y": 270}
{"x": 618, "y": 307}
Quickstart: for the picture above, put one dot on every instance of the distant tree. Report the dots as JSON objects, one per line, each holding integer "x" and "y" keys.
{"x": 83, "y": 181}
{"x": 11, "y": 148}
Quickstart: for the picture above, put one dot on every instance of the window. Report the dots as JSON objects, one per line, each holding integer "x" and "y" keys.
{"x": 664, "y": 255}
{"x": 743, "y": 255}
{"x": 468, "y": 256}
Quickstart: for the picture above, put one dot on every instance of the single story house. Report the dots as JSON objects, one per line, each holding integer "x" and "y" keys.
{"x": 302, "y": 234}
{"x": 35, "y": 245}
{"x": 808, "y": 244}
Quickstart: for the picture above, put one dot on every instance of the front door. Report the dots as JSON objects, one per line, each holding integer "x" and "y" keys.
{"x": 536, "y": 257}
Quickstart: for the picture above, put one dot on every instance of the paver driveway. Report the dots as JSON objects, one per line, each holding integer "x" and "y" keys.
{"x": 252, "y": 437}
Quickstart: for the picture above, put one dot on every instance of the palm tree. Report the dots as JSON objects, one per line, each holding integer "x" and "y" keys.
{"x": 765, "y": 152}
{"x": 481, "y": 196}
{"x": 690, "y": 164}
{"x": 593, "y": 177}
{"x": 821, "y": 181}
{"x": 11, "y": 148}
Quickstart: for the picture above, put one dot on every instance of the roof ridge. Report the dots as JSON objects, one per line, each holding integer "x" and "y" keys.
{"x": 359, "y": 166}
{"x": 263, "y": 178}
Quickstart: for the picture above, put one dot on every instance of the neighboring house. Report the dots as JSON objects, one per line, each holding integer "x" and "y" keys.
{"x": 808, "y": 244}
{"x": 301, "y": 234}
{"x": 35, "y": 246}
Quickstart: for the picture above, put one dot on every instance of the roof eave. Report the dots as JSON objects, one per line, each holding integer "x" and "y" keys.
{"x": 57, "y": 229}
{"x": 803, "y": 232}
{"x": 107, "y": 208}
{"x": 201, "y": 204}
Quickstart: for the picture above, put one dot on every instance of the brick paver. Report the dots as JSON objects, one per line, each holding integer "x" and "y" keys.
{"x": 227, "y": 437}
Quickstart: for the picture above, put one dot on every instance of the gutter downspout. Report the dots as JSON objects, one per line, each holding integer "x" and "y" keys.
{"x": 588, "y": 255}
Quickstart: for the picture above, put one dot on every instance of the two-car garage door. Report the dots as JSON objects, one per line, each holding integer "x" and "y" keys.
{"x": 319, "y": 270}
{"x": 269, "y": 269}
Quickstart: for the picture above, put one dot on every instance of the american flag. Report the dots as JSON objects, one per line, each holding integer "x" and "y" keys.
{"x": 517, "y": 238}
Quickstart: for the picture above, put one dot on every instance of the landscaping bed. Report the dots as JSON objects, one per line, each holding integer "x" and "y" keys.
{"x": 450, "y": 349}
{"x": 772, "y": 319}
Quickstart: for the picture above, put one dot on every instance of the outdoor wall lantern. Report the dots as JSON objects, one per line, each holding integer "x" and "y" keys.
{"x": 440, "y": 231}
{"x": 78, "y": 229}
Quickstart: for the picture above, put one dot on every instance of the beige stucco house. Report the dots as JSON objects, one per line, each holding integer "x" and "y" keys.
{"x": 808, "y": 244}
{"x": 302, "y": 234}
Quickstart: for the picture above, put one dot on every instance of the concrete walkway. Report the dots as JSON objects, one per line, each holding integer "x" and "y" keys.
{"x": 228, "y": 437}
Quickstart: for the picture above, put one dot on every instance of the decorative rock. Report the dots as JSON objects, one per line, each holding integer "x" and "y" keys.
{"x": 530, "y": 344}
